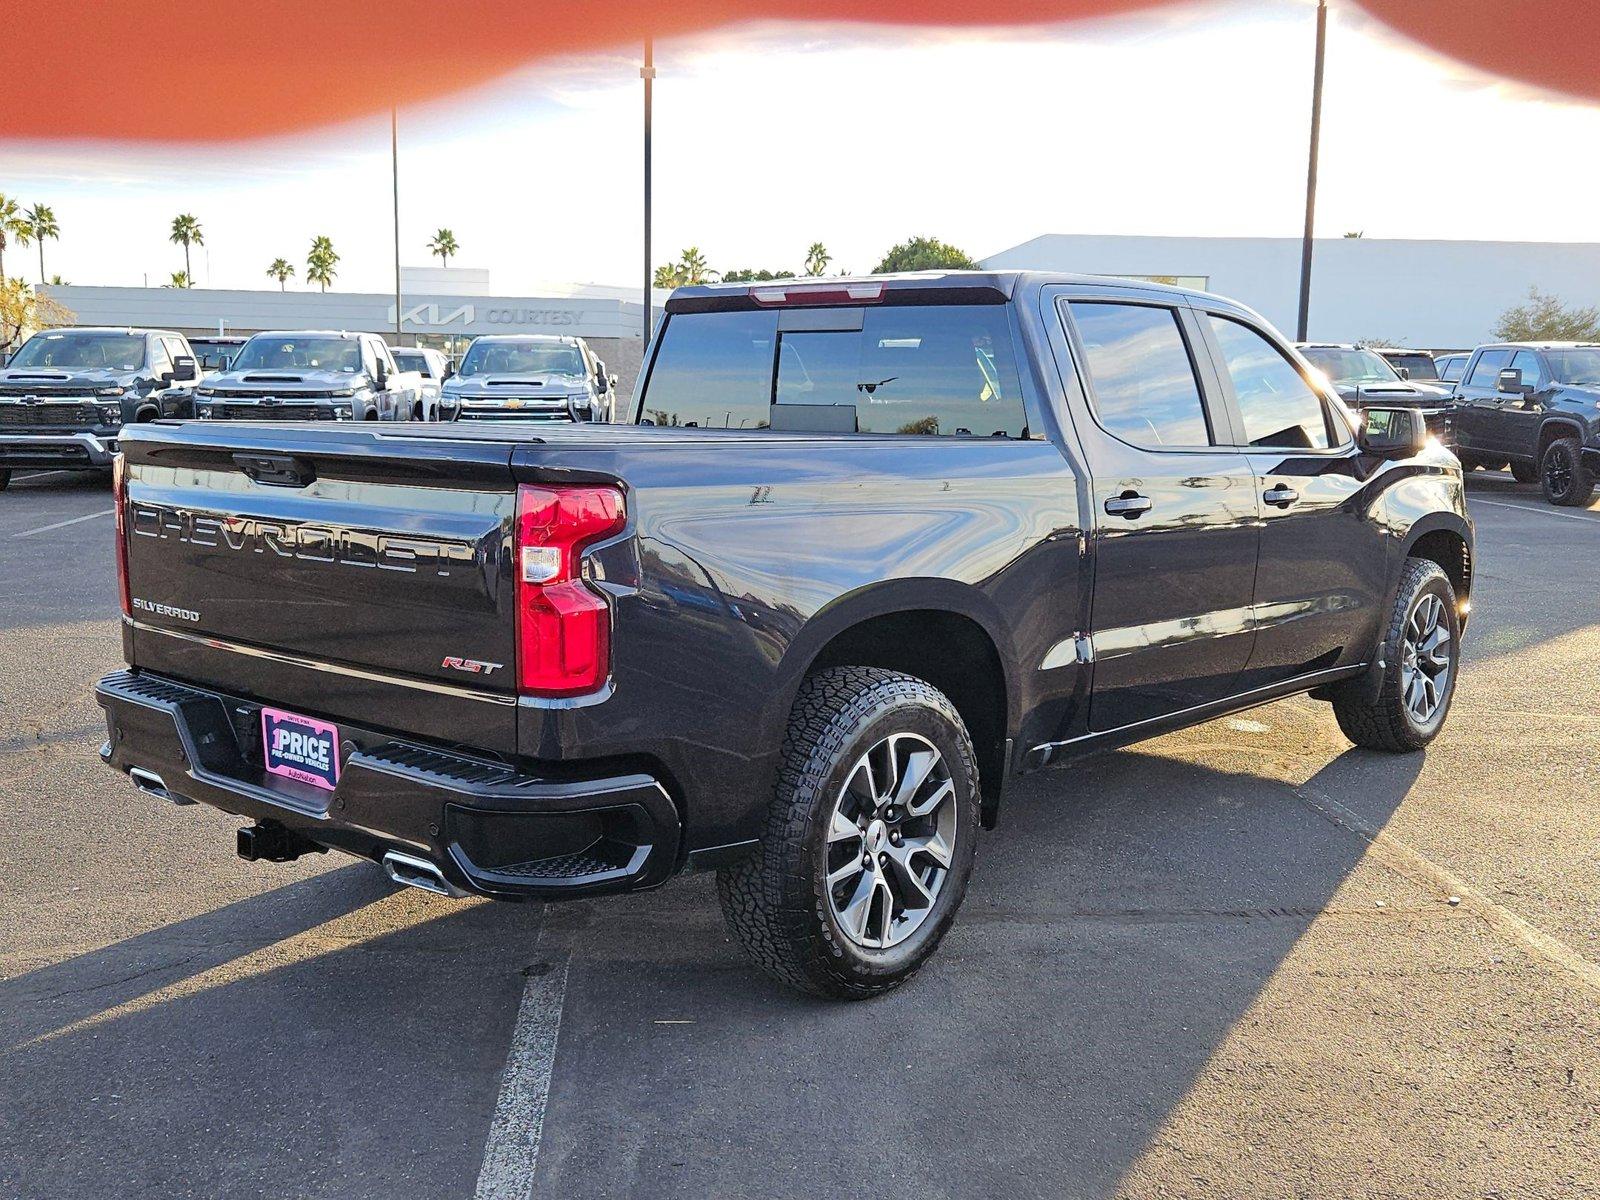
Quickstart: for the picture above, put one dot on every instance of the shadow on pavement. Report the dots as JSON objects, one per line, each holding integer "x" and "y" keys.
{"x": 334, "y": 1038}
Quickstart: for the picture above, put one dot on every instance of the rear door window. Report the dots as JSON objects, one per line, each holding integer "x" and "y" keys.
{"x": 1451, "y": 368}
{"x": 1142, "y": 377}
{"x": 1486, "y": 371}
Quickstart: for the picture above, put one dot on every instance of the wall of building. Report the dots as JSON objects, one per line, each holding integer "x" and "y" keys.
{"x": 1432, "y": 294}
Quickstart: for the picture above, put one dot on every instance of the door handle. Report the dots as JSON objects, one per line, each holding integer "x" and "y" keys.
{"x": 1281, "y": 496}
{"x": 1129, "y": 505}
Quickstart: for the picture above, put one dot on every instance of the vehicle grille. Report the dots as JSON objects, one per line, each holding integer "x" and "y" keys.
{"x": 272, "y": 412}
{"x": 54, "y": 416}
{"x": 42, "y": 389}
{"x": 257, "y": 393}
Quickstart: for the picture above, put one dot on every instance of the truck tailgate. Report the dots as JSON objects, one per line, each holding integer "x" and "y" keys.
{"x": 334, "y": 571}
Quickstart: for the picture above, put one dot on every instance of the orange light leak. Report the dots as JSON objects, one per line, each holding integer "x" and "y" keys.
{"x": 94, "y": 68}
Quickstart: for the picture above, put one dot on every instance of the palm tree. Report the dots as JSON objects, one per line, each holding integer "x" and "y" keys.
{"x": 444, "y": 245}
{"x": 180, "y": 279}
{"x": 281, "y": 269}
{"x": 186, "y": 232}
{"x": 694, "y": 267}
{"x": 12, "y": 225}
{"x": 42, "y": 223}
{"x": 321, "y": 262}
{"x": 817, "y": 259}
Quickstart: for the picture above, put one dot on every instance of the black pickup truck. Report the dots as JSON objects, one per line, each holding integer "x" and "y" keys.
{"x": 872, "y": 548}
{"x": 66, "y": 394}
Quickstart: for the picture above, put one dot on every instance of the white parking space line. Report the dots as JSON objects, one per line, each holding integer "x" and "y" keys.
{"x": 64, "y": 524}
{"x": 512, "y": 1151}
{"x": 1543, "y": 512}
{"x": 43, "y": 475}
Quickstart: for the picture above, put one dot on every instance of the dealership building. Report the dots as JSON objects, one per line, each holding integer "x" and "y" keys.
{"x": 440, "y": 307}
{"x": 1434, "y": 295}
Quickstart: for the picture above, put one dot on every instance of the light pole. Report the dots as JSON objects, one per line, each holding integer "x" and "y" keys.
{"x": 648, "y": 74}
{"x": 1311, "y": 173}
{"x": 394, "y": 162}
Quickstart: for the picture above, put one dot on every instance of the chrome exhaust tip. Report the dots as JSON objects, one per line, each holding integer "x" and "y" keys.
{"x": 416, "y": 872}
{"x": 152, "y": 784}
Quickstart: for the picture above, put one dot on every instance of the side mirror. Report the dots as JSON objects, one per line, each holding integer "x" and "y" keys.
{"x": 1392, "y": 432}
{"x": 1511, "y": 381}
{"x": 381, "y": 379}
{"x": 449, "y": 371}
{"x": 1403, "y": 372}
{"x": 184, "y": 369}
{"x": 600, "y": 377}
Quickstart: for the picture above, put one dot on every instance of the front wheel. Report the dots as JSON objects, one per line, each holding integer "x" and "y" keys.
{"x": 869, "y": 839}
{"x": 1421, "y": 654}
{"x": 1567, "y": 483}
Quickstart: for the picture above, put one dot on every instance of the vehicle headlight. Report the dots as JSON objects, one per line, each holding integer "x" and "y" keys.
{"x": 205, "y": 390}
{"x": 111, "y": 391}
{"x": 345, "y": 392}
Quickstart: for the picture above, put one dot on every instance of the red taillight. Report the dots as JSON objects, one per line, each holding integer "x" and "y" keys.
{"x": 119, "y": 490}
{"x": 563, "y": 626}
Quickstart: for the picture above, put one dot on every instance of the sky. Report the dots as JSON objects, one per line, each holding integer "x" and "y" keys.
{"x": 1191, "y": 120}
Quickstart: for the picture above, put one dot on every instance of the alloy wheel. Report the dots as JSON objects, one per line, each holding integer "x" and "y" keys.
{"x": 1557, "y": 473}
{"x": 1425, "y": 659}
{"x": 891, "y": 839}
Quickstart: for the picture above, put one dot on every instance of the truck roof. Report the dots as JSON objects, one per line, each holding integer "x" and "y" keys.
{"x": 329, "y": 333}
{"x": 1538, "y": 346}
{"x": 112, "y": 329}
{"x": 526, "y": 337}
{"x": 991, "y": 287}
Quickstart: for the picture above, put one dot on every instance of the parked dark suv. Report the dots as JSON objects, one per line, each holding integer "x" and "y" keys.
{"x": 1536, "y": 407}
{"x": 67, "y": 393}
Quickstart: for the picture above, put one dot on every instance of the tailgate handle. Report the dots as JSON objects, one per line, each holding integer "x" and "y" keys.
{"x": 276, "y": 470}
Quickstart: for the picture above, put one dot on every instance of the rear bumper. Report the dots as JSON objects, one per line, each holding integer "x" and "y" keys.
{"x": 85, "y": 451}
{"x": 491, "y": 829}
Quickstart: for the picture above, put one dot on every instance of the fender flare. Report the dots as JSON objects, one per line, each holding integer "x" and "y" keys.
{"x": 885, "y": 599}
{"x": 1563, "y": 421}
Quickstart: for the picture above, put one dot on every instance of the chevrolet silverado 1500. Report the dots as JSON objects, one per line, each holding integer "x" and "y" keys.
{"x": 872, "y": 548}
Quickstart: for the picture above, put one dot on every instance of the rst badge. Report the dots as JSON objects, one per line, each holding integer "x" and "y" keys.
{"x": 300, "y": 748}
{"x": 471, "y": 666}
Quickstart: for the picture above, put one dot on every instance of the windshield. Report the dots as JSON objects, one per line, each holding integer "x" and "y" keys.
{"x": 83, "y": 351}
{"x": 1351, "y": 366}
{"x": 1580, "y": 367}
{"x": 522, "y": 358}
{"x": 1420, "y": 366}
{"x": 277, "y": 352}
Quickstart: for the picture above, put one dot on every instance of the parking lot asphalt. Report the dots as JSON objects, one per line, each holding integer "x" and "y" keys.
{"x": 1222, "y": 963}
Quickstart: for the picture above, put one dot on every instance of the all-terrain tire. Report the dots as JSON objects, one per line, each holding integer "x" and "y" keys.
{"x": 1524, "y": 472}
{"x": 1566, "y": 482}
{"x": 1387, "y": 722}
{"x": 777, "y": 901}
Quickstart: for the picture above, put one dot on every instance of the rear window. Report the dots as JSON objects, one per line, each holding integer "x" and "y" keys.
{"x": 936, "y": 370}
{"x": 1418, "y": 366}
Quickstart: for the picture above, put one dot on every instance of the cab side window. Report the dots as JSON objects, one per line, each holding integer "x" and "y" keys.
{"x": 1527, "y": 362}
{"x": 1142, "y": 377}
{"x": 1486, "y": 371}
{"x": 1278, "y": 406}
{"x": 160, "y": 360}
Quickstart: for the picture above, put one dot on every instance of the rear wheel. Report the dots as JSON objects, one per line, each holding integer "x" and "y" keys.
{"x": 1421, "y": 651}
{"x": 869, "y": 839}
{"x": 1562, "y": 475}
{"x": 1524, "y": 472}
